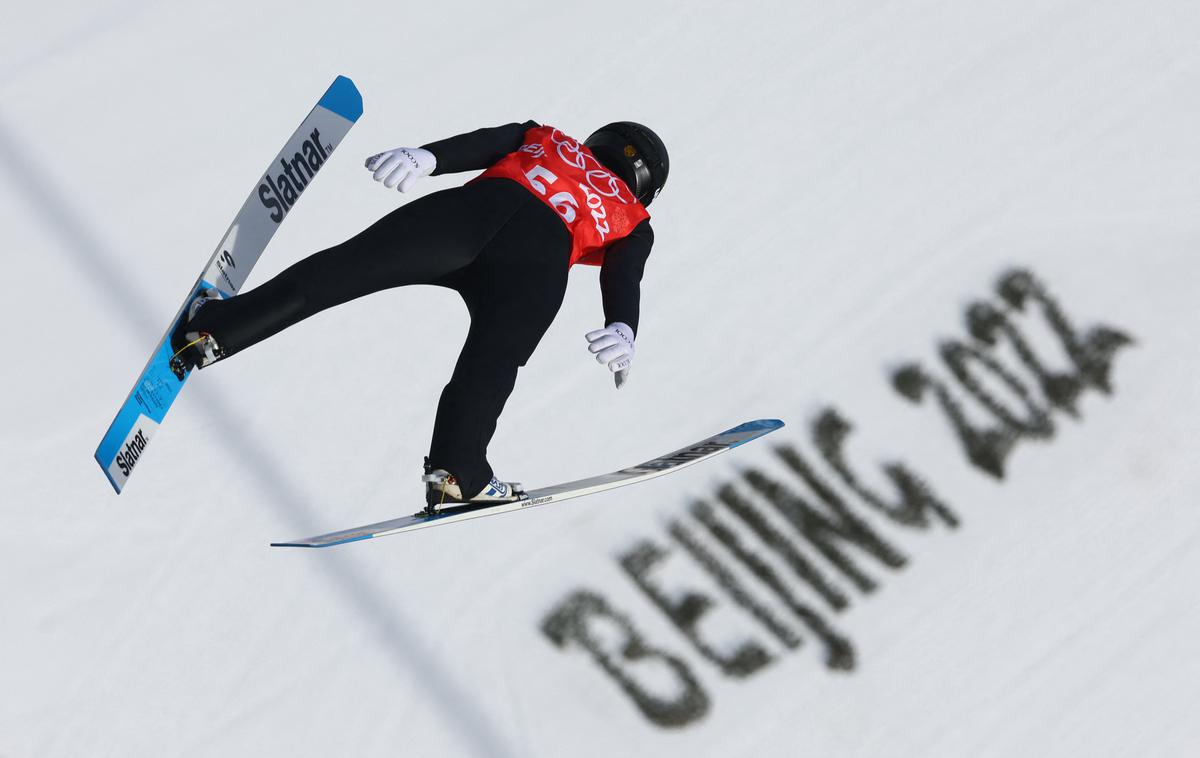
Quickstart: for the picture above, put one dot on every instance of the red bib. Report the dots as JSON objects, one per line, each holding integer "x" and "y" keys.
{"x": 596, "y": 205}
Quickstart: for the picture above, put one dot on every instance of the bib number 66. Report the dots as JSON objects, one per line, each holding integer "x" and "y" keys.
{"x": 563, "y": 202}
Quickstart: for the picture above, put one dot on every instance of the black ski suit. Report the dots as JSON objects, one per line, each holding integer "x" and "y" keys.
{"x": 504, "y": 251}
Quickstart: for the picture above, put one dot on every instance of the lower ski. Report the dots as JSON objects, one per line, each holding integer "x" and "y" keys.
{"x": 692, "y": 454}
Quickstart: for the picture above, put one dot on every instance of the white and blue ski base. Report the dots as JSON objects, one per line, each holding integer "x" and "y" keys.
{"x": 692, "y": 454}
{"x": 268, "y": 204}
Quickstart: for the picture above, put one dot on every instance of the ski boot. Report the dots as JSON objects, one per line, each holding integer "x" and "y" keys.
{"x": 441, "y": 488}
{"x": 194, "y": 349}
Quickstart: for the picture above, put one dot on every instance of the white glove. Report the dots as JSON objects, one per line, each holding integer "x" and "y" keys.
{"x": 613, "y": 347}
{"x": 402, "y": 167}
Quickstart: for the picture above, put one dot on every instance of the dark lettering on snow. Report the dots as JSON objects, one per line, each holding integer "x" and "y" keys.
{"x": 820, "y": 535}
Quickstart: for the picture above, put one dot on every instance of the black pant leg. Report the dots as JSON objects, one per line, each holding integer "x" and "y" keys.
{"x": 421, "y": 242}
{"x": 468, "y": 410}
{"x": 513, "y": 291}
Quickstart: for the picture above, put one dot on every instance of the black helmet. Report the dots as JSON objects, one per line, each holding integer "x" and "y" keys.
{"x": 634, "y": 153}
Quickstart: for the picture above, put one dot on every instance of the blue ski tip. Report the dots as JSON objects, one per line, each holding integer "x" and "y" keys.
{"x": 343, "y": 98}
{"x": 761, "y": 426}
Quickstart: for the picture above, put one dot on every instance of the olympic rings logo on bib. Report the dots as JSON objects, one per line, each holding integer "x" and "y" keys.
{"x": 599, "y": 178}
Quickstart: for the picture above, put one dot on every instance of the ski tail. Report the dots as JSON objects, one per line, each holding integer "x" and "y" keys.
{"x": 269, "y": 202}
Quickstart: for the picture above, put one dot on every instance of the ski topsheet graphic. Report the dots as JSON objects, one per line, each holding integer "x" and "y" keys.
{"x": 267, "y": 206}
{"x": 700, "y": 451}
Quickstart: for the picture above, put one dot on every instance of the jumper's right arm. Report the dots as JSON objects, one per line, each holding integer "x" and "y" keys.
{"x": 621, "y": 292}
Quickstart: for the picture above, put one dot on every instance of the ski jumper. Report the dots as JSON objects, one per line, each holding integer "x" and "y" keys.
{"x": 502, "y": 245}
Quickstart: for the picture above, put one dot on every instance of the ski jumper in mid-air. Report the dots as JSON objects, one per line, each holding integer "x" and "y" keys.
{"x": 504, "y": 242}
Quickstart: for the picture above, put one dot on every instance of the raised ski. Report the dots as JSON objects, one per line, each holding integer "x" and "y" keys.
{"x": 163, "y": 377}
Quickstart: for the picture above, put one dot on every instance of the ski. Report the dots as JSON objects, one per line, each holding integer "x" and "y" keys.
{"x": 273, "y": 196}
{"x": 692, "y": 454}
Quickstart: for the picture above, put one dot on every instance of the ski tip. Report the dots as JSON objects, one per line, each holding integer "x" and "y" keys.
{"x": 752, "y": 430}
{"x": 760, "y": 425}
{"x": 343, "y": 98}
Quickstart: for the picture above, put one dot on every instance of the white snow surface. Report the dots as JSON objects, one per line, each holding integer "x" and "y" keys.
{"x": 846, "y": 179}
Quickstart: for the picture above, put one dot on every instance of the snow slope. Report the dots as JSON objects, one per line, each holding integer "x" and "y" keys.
{"x": 847, "y": 180}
